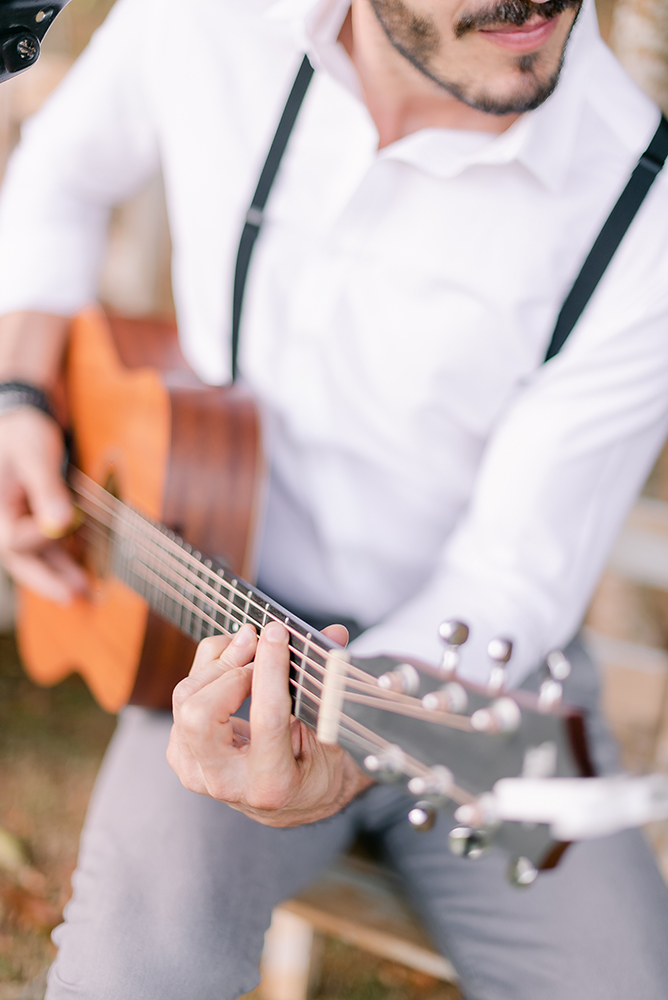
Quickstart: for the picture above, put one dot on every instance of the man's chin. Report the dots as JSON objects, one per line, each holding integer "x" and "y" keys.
{"x": 526, "y": 93}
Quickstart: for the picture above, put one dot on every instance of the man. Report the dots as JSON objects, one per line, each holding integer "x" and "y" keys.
{"x": 444, "y": 182}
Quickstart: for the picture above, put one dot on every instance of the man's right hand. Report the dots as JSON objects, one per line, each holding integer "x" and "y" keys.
{"x": 35, "y": 506}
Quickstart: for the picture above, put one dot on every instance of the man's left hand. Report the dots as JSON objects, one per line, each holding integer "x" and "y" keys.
{"x": 273, "y": 769}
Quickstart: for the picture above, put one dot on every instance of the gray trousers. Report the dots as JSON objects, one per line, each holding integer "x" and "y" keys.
{"x": 174, "y": 891}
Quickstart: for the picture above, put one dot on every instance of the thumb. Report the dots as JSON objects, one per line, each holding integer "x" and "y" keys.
{"x": 39, "y": 470}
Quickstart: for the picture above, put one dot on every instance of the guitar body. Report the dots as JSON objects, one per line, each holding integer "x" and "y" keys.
{"x": 179, "y": 451}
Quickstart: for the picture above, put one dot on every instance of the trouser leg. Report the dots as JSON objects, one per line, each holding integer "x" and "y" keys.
{"x": 596, "y": 928}
{"x": 174, "y": 891}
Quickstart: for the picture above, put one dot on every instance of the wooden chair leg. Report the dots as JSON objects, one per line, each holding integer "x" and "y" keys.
{"x": 291, "y": 958}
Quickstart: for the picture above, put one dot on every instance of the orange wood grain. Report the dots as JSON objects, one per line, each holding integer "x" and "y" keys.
{"x": 122, "y": 421}
{"x": 184, "y": 453}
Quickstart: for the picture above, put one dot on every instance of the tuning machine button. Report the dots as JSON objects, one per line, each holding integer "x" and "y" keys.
{"x": 499, "y": 651}
{"x": 502, "y": 716}
{"x": 404, "y": 680}
{"x": 522, "y": 873}
{"x": 465, "y": 842}
{"x": 388, "y": 765}
{"x": 422, "y": 816}
{"x": 438, "y": 782}
{"x": 551, "y": 690}
{"x": 450, "y": 698}
{"x": 558, "y": 665}
{"x": 453, "y": 634}
{"x": 479, "y": 814}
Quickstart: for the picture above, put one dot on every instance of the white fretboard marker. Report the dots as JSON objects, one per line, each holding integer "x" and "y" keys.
{"x": 333, "y": 691}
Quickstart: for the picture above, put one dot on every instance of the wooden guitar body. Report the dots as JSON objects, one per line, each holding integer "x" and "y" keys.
{"x": 179, "y": 451}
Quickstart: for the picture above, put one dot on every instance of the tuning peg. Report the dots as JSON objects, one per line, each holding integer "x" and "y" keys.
{"x": 422, "y": 816}
{"x": 502, "y": 716}
{"x": 451, "y": 698}
{"x": 453, "y": 634}
{"x": 499, "y": 651}
{"x": 388, "y": 765}
{"x": 404, "y": 680}
{"x": 479, "y": 814}
{"x": 466, "y": 842}
{"x": 551, "y": 690}
{"x": 522, "y": 873}
{"x": 558, "y": 665}
{"x": 438, "y": 781}
{"x": 550, "y": 695}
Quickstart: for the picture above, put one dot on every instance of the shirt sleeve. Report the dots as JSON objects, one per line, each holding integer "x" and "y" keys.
{"x": 90, "y": 147}
{"x": 558, "y": 476}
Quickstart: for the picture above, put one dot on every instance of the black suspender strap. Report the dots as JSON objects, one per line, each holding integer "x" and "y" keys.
{"x": 650, "y": 165}
{"x": 254, "y": 215}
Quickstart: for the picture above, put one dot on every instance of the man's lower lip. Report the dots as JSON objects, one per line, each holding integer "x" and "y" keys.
{"x": 522, "y": 40}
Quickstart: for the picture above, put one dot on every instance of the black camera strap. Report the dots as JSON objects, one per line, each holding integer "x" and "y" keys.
{"x": 649, "y": 166}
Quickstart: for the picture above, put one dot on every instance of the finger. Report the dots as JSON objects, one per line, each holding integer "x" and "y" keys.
{"x": 205, "y": 729}
{"x": 219, "y": 653}
{"x": 22, "y": 533}
{"x": 35, "y": 574}
{"x": 69, "y": 571}
{"x": 338, "y": 633}
{"x": 38, "y": 468}
{"x": 271, "y": 705}
{"x": 209, "y": 650}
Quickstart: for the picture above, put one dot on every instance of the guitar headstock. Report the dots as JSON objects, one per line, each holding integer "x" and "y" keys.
{"x": 449, "y": 741}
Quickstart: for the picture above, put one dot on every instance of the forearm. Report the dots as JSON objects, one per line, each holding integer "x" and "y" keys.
{"x": 32, "y": 346}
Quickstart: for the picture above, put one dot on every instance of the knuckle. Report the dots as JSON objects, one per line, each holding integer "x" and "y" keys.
{"x": 180, "y": 693}
{"x": 273, "y": 718}
{"x": 209, "y": 647}
{"x": 208, "y": 650}
{"x": 193, "y": 716}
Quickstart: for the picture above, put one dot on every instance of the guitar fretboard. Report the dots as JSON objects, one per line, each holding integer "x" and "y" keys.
{"x": 197, "y": 594}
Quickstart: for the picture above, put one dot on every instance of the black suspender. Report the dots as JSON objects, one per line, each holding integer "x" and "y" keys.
{"x": 603, "y": 250}
{"x": 650, "y": 165}
{"x": 264, "y": 185}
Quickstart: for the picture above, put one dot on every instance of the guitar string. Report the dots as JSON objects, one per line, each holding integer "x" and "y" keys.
{"x": 380, "y": 699}
{"x": 411, "y": 766}
{"x": 358, "y": 731}
{"x": 215, "y": 597}
{"x": 181, "y": 554}
{"x": 360, "y": 734}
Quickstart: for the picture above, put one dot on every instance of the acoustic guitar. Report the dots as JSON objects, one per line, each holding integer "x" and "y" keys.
{"x": 158, "y": 458}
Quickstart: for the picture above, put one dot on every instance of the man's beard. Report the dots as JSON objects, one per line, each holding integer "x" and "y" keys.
{"x": 417, "y": 39}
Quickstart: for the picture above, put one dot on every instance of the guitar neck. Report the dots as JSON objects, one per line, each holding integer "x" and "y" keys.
{"x": 196, "y": 593}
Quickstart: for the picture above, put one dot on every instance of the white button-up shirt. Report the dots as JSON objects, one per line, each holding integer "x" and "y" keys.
{"x": 424, "y": 464}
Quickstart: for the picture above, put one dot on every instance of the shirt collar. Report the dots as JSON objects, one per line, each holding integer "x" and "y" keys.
{"x": 542, "y": 140}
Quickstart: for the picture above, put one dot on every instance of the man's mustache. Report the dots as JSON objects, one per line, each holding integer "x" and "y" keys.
{"x": 516, "y": 12}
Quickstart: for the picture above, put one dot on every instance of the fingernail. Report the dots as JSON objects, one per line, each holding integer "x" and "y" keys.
{"x": 58, "y": 520}
{"x": 244, "y": 636}
{"x": 53, "y": 529}
{"x": 275, "y": 632}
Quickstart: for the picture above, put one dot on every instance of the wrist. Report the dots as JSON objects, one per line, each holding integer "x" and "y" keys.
{"x": 32, "y": 348}
{"x": 15, "y": 395}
